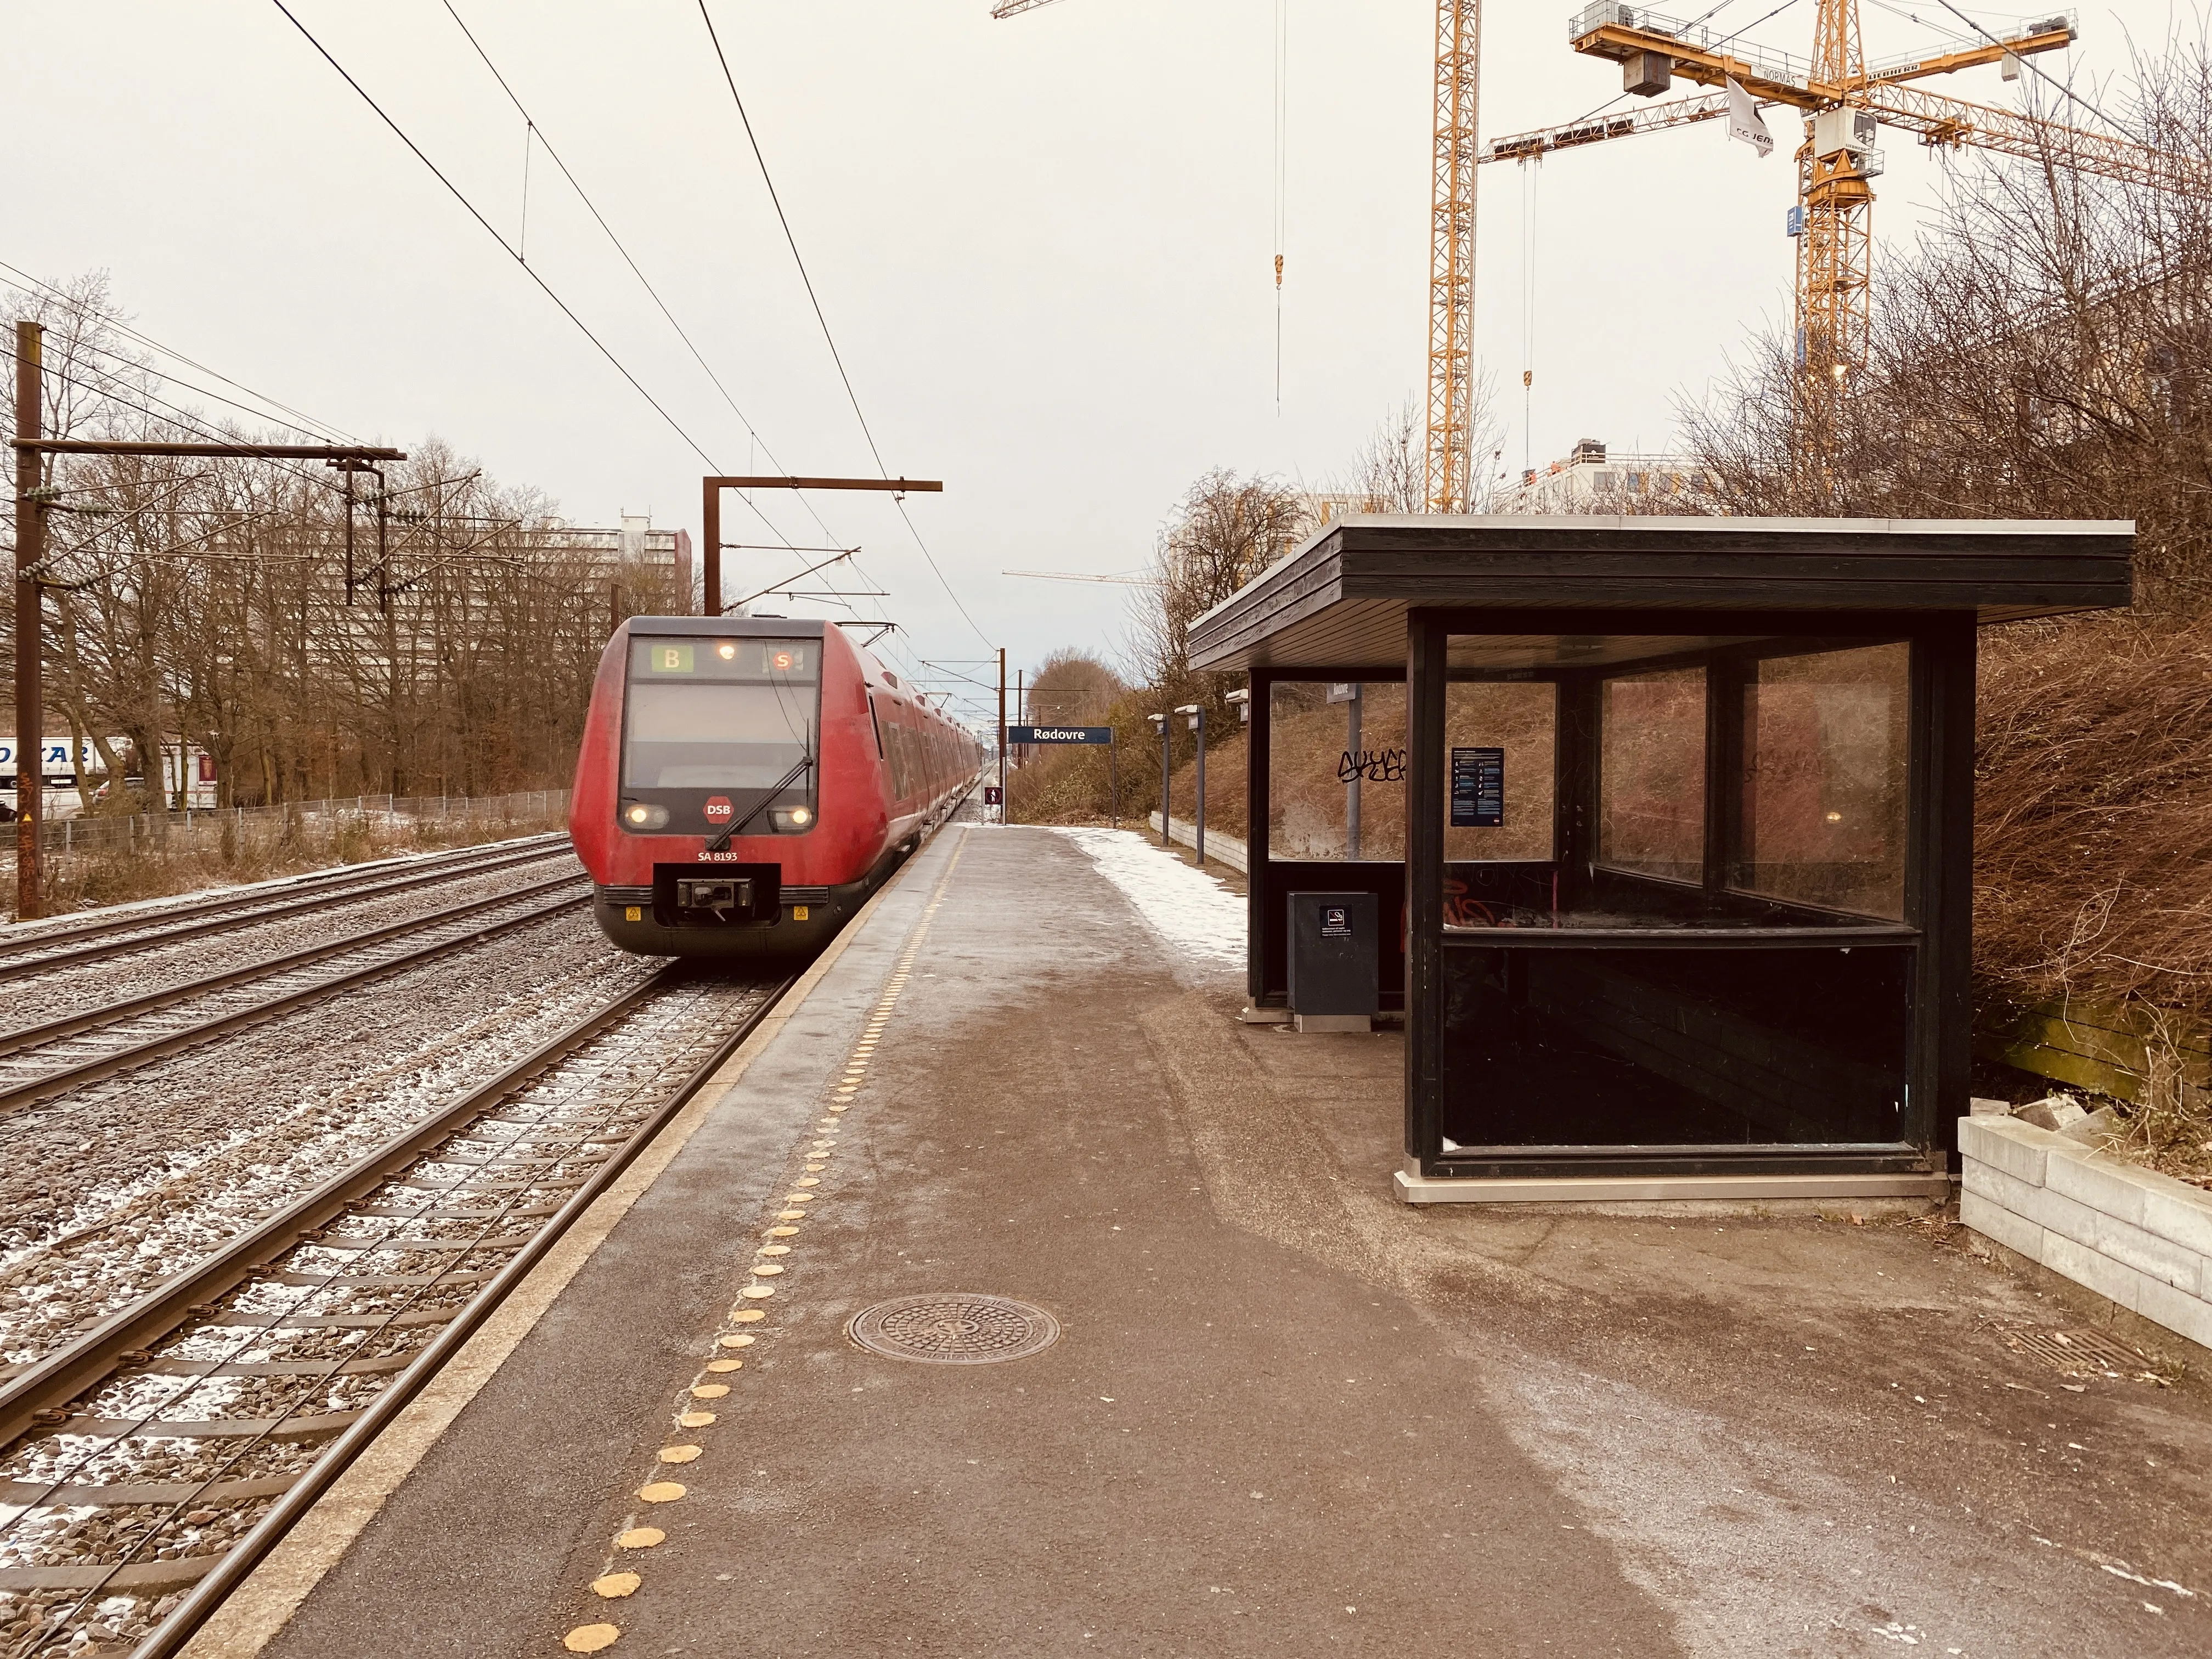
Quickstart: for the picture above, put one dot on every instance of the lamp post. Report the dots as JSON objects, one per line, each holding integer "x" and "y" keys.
{"x": 1197, "y": 716}
{"x": 1160, "y": 725}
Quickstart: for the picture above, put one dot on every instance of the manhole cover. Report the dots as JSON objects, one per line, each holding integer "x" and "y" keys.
{"x": 952, "y": 1329}
{"x": 2078, "y": 1353}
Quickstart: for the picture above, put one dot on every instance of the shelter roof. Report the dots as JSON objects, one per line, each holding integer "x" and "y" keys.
{"x": 1341, "y": 597}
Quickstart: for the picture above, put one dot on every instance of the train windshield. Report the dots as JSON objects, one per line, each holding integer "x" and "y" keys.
{"x": 707, "y": 713}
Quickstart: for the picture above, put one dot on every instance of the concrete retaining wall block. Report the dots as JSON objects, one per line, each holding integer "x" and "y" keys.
{"x": 2139, "y": 1238}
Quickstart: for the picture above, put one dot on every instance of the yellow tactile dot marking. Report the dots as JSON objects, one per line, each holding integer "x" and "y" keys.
{"x": 808, "y": 1180}
{"x": 591, "y": 1638}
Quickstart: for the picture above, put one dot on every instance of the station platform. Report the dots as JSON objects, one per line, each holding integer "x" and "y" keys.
{"x": 1285, "y": 1414}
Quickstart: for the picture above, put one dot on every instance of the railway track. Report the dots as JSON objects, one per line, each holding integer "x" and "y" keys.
{"x": 69, "y": 945}
{"x": 40, "y": 1061}
{"x": 154, "y": 1460}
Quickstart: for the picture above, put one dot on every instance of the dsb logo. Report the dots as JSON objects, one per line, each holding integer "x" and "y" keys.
{"x": 717, "y": 809}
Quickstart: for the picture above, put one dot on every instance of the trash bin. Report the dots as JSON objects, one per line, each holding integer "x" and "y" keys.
{"x": 1333, "y": 956}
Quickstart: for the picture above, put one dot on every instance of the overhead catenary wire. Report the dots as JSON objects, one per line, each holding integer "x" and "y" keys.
{"x": 301, "y": 422}
{"x": 491, "y": 230}
{"x": 533, "y": 133}
{"x": 821, "y": 317}
{"x": 546, "y": 287}
{"x": 176, "y": 416}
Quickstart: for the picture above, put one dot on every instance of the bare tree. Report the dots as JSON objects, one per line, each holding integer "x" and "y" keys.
{"x": 1390, "y": 473}
{"x": 208, "y": 601}
{"x": 1073, "y": 688}
{"x": 2045, "y": 351}
{"x": 1224, "y": 532}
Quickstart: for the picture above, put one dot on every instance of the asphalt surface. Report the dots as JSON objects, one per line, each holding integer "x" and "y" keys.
{"x": 1285, "y": 1415}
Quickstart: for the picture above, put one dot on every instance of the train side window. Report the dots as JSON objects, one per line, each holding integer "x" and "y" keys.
{"x": 902, "y": 780}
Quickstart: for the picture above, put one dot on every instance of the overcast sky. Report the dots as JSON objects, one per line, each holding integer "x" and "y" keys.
{"x": 1044, "y": 247}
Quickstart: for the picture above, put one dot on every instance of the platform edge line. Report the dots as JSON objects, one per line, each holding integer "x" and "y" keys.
{"x": 258, "y": 1611}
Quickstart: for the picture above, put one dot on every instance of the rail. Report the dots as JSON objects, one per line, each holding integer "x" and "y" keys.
{"x": 67, "y": 1067}
{"x": 543, "y": 1163}
{"x": 38, "y": 949}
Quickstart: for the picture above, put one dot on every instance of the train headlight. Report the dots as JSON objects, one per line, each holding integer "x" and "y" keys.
{"x": 643, "y": 815}
{"x": 726, "y": 651}
{"x": 788, "y": 819}
{"x": 801, "y": 816}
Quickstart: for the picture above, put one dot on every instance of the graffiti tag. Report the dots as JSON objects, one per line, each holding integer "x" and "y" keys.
{"x": 1376, "y": 765}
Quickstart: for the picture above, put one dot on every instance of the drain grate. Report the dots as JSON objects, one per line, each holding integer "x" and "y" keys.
{"x": 950, "y": 1328}
{"x": 2078, "y": 1353}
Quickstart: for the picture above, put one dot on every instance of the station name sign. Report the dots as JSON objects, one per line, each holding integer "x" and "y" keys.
{"x": 1016, "y": 735}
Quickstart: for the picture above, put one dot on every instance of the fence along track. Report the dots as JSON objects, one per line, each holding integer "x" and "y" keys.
{"x": 81, "y": 834}
{"x": 461, "y": 1170}
{"x": 18, "y": 1089}
{"x": 160, "y": 927}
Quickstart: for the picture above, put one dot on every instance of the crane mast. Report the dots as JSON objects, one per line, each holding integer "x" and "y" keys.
{"x": 1835, "y": 241}
{"x": 1449, "y": 468}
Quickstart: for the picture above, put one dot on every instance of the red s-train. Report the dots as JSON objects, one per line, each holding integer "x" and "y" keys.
{"x": 745, "y": 782}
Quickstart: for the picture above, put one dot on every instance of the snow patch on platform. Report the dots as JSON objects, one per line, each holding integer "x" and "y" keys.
{"x": 1191, "y": 909}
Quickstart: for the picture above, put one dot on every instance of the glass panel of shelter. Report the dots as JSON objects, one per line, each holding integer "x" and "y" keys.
{"x": 1336, "y": 814}
{"x": 1681, "y": 926}
{"x": 1336, "y": 772}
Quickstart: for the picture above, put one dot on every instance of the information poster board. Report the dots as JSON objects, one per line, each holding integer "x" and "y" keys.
{"x": 1478, "y": 788}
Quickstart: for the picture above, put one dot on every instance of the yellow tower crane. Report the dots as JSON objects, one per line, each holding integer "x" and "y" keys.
{"x": 1845, "y": 102}
{"x": 1447, "y": 475}
{"x": 1451, "y": 249}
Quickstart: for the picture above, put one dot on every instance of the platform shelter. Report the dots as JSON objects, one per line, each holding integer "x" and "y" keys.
{"x": 1669, "y": 820}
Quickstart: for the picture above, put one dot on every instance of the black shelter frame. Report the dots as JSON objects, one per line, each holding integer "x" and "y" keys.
{"x": 1720, "y": 1004}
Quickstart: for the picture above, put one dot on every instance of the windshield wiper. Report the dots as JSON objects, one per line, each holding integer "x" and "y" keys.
{"x": 722, "y": 843}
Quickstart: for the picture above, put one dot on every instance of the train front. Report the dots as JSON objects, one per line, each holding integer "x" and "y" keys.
{"x": 699, "y": 802}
